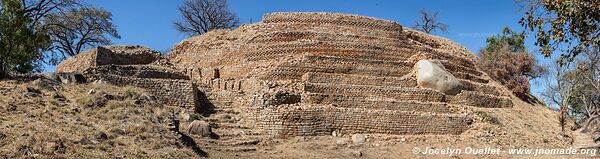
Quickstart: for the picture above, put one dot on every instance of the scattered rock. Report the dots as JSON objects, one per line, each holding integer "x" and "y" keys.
{"x": 201, "y": 128}
{"x": 108, "y": 96}
{"x": 46, "y": 84}
{"x": 359, "y": 138}
{"x": 137, "y": 102}
{"x": 92, "y": 91}
{"x": 32, "y": 90}
{"x": 342, "y": 142}
{"x": 184, "y": 116}
{"x": 85, "y": 141}
{"x": 101, "y": 136}
{"x": 225, "y": 118}
{"x": 334, "y": 133}
{"x": 11, "y": 107}
{"x": 432, "y": 74}
{"x": 54, "y": 147}
{"x": 99, "y": 82}
{"x": 284, "y": 97}
{"x": 71, "y": 78}
{"x": 357, "y": 153}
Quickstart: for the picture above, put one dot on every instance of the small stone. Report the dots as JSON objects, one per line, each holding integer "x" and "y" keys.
{"x": 85, "y": 141}
{"x": 33, "y": 90}
{"x": 342, "y": 142}
{"x": 50, "y": 147}
{"x": 334, "y": 133}
{"x": 359, "y": 138}
{"x": 54, "y": 147}
{"x": 357, "y": 153}
{"x": 92, "y": 91}
{"x": 184, "y": 116}
{"x": 201, "y": 128}
{"x": 101, "y": 136}
{"x": 136, "y": 102}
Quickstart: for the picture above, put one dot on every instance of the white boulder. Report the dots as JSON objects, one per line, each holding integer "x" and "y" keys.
{"x": 431, "y": 74}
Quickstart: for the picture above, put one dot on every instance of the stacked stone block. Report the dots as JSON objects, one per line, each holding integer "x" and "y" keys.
{"x": 171, "y": 87}
{"x": 354, "y": 75}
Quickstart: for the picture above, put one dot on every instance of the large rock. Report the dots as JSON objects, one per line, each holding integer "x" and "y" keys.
{"x": 201, "y": 128}
{"x": 359, "y": 138}
{"x": 431, "y": 74}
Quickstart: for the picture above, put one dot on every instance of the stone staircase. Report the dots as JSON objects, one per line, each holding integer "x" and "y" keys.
{"x": 583, "y": 140}
{"x": 233, "y": 136}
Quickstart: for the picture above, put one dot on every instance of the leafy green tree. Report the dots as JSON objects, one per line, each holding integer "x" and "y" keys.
{"x": 570, "y": 26}
{"x": 21, "y": 44}
{"x": 506, "y": 60}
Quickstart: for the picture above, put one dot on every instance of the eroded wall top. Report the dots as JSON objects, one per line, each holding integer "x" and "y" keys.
{"x": 115, "y": 54}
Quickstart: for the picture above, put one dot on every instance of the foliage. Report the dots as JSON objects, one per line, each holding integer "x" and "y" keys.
{"x": 21, "y": 42}
{"x": 23, "y": 36}
{"x": 570, "y": 25}
{"x": 487, "y": 118}
{"x": 201, "y": 16}
{"x": 77, "y": 29}
{"x": 585, "y": 99}
{"x": 506, "y": 60}
{"x": 131, "y": 94}
{"x": 429, "y": 22}
{"x": 195, "y": 116}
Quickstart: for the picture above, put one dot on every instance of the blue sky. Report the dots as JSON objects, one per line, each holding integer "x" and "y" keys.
{"x": 149, "y": 22}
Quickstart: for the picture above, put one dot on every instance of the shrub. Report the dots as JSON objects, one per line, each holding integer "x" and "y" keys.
{"x": 505, "y": 60}
{"x": 195, "y": 116}
{"x": 487, "y": 118}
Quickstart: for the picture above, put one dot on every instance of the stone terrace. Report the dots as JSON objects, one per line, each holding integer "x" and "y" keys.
{"x": 351, "y": 74}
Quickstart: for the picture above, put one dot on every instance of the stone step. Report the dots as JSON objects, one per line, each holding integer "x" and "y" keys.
{"x": 342, "y": 49}
{"x": 322, "y": 120}
{"x": 477, "y": 99}
{"x": 350, "y": 79}
{"x": 233, "y": 149}
{"x": 480, "y": 87}
{"x": 583, "y": 140}
{"x": 236, "y": 132}
{"x": 239, "y": 142}
{"x": 229, "y": 126}
{"x": 367, "y": 102}
{"x": 334, "y": 19}
{"x": 377, "y": 92}
{"x": 469, "y": 77}
{"x": 453, "y": 67}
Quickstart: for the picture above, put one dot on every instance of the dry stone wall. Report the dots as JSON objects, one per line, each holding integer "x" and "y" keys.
{"x": 116, "y": 54}
{"x": 352, "y": 73}
{"x": 322, "y": 120}
{"x": 172, "y": 88}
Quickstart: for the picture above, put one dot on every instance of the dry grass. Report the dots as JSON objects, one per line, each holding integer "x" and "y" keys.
{"x": 63, "y": 123}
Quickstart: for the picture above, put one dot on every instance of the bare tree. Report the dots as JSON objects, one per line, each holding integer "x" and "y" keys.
{"x": 78, "y": 29}
{"x": 587, "y": 97}
{"x": 38, "y": 10}
{"x": 429, "y": 22}
{"x": 201, "y": 16}
{"x": 560, "y": 89}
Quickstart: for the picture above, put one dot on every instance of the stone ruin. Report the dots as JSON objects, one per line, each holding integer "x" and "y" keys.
{"x": 298, "y": 74}
{"x": 130, "y": 65}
